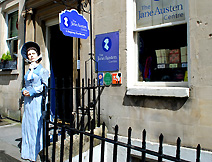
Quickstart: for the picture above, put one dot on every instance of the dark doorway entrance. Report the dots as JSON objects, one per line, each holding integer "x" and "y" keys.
{"x": 61, "y": 60}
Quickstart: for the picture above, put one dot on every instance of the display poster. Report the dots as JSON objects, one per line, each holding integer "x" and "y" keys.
{"x": 107, "y": 52}
{"x": 155, "y": 12}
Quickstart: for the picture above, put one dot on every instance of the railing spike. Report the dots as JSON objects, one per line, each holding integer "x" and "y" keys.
{"x": 178, "y": 148}
{"x": 129, "y": 144}
{"x": 116, "y": 128}
{"x": 143, "y": 158}
{"x": 144, "y": 135}
{"x": 115, "y": 144}
{"x": 198, "y": 153}
{"x": 160, "y": 147}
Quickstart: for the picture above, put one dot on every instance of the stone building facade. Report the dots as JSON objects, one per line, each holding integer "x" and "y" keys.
{"x": 164, "y": 51}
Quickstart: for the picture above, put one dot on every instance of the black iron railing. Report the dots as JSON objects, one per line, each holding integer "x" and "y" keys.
{"x": 116, "y": 144}
{"x": 81, "y": 128}
{"x": 87, "y": 101}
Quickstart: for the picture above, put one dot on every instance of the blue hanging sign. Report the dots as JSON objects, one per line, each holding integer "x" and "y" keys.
{"x": 73, "y": 24}
{"x": 107, "y": 51}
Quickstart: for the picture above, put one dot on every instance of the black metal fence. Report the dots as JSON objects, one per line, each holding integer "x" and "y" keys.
{"x": 87, "y": 109}
{"x": 92, "y": 92}
{"x": 116, "y": 144}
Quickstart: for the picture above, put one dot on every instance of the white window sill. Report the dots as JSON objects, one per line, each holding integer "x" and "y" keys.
{"x": 158, "y": 91}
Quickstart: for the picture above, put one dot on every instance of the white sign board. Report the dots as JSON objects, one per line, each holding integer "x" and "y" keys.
{"x": 155, "y": 12}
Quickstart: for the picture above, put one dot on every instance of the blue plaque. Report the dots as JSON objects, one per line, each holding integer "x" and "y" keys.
{"x": 100, "y": 79}
{"x": 107, "y": 51}
{"x": 73, "y": 24}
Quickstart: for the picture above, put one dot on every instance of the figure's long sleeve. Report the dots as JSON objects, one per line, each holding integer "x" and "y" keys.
{"x": 44, "y": 80}
{"x": 45, "y": 77}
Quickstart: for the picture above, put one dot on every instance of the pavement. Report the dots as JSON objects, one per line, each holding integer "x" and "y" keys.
{"x": 10, "y": 141}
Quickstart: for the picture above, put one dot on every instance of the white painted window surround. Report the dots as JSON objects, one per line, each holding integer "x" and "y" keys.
{"x": 134, "y": 87}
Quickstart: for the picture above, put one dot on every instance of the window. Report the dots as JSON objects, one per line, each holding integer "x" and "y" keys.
{"x": 12, "y": 38}
{"x": 162, "y": 54}
{"x": 158, "y": 40}
{"x": 13, "y": 24}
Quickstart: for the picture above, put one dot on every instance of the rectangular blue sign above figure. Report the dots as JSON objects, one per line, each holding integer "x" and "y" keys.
{"x": 107, "y": 51}
{"x": 73, "y": 24}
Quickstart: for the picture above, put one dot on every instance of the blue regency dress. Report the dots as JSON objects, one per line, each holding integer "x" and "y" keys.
{"x": 32, "y": 122}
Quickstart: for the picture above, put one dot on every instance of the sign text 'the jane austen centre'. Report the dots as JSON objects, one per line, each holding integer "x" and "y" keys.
{"x": 155, "y": 12}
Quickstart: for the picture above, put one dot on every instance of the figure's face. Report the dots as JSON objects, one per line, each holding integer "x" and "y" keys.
{"x": 32, "y": 55}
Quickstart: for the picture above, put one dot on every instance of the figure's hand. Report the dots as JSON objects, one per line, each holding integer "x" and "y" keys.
{"x": 26, "y": 93}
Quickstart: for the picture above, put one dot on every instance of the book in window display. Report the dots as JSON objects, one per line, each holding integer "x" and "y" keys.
{"x": 162, "y": 57}
{"x": 174, "y": 56}
{"x": 183, "y": 51}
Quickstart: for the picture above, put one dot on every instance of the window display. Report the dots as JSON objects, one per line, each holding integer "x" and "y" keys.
{"x": 162, "y": 54}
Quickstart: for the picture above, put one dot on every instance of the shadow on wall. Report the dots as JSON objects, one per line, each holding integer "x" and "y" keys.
{"x": 5, "y": 79}
{"x": 169, "y": 103}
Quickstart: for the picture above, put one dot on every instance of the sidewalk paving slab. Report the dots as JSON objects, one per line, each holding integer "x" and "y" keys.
{"x": 10, "y": 142}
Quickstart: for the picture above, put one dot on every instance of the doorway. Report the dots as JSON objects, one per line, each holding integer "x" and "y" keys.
{"x": 61, "y": 63}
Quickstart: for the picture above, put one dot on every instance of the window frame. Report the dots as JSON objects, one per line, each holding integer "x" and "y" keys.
{"x": 10, "y": 39}
{"x": 11, "y": 42}
{"x": 135, "y": 87}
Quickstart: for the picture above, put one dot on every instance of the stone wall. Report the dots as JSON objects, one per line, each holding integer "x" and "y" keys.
{"x": 188, "y": 118}
{"x": 10, "y": 81}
